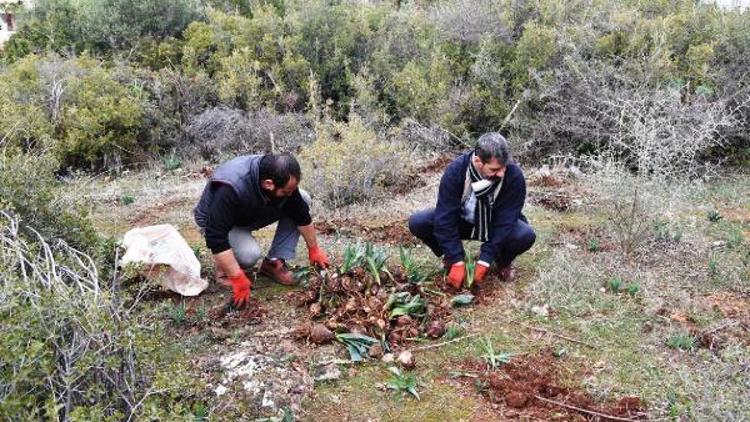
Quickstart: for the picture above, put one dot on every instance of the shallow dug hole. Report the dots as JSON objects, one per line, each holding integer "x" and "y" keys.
{"x": 526, "y": 388}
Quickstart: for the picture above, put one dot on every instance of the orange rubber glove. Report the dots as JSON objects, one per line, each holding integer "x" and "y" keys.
{"x": 457, "y": 274}
{"x": 318, "y": 257}
{"x": 241, "y": 285}
{"x": 480, "y": 271}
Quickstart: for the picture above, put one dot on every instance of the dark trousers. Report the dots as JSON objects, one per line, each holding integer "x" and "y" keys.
{"x": 520, "y": 240}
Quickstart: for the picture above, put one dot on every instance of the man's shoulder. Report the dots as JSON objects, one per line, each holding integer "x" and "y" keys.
{"x": 458, "y": 165}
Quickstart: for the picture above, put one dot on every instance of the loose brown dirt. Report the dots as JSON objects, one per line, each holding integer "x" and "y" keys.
{"x": 520, "y": 386}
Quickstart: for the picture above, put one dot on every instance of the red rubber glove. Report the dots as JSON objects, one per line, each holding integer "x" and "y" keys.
{"x": 457, "y": 274}
{"x": 240, "y": 288}
{"x": 318, "y": 257}
{"x": 480, "y": 271}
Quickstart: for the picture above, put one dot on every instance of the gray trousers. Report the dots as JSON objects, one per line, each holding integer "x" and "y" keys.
{"x": 284, "y": 245}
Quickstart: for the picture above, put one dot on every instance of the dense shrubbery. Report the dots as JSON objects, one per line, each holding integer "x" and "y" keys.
{"x": 466, "y": 66}
{"x": 76, "y": 107}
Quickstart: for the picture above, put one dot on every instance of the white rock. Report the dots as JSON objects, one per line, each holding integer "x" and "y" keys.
{"x": 220, "y": 390}
{"x": 388, "y": 358}
{"x": 542, "y": 311}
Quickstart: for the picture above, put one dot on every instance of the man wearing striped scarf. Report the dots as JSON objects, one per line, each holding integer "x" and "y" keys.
{"x": 481, "y": 197}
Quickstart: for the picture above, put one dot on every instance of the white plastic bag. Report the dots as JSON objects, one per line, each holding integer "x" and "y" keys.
{"x": 166, "y": 257}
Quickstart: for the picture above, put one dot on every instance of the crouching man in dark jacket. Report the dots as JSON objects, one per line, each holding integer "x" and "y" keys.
{"x": 481, "y": 196}
{"x": 245, "y": 194}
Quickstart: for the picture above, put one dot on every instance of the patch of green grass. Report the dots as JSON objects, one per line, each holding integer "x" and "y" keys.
{"x": 177, "y": 314}
{"x": 714, "y": 216}
{"x": 633, "y": 289}
{"x": 615, "y": 284}
{"x": 402, "y": 382}
{"x": 171, "y": 162}
{"x": 681, "y": 341}
{"x": 452, "y": 331}
{"x": 364, "y": 400}
{"x": 593, "y": 245}
{"x": 127, "y": 199}
{"x": 493, "y": 358}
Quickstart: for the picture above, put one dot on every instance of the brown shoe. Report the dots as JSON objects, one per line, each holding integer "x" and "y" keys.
{"x": 276, "y": 270}
{"x": 507, "y": 273}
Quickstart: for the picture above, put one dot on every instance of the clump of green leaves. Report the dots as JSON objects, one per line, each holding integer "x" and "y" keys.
{"x": 462, "y": 300}
{"x": 633, "y": 289}
{"x": 593, "y": 245}
{"x": 401, "y": 382}
{"x": 494, "y": 359}
{"x": 713, "y": 267}
{"x": 681, "y": 341}
{"x": 178, "y": 314}
{"x": 714, "y": 216}
{"x": 357, "y": 345}
{"x": 471, "y": 267}
{"x": 452, "y": 331}
{"x": 615, "y": 284}
{"x": 404, "y": 303}
{"x": 414, "y": 272}
{"x": 354, "y": 256}
{"x": 171, "y": 162}
{"x": 375, "y": 258}
{"x": 127, "y": 199}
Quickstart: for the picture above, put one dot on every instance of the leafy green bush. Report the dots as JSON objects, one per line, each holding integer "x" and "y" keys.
{"x": 73, "y": 106}
{"x": 29, "y": 190}
{"x": 349, "y": 162}
{"x": 98, "y": 26}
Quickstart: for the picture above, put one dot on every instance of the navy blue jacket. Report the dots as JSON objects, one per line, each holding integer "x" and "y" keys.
{"x": 505, "y": 213}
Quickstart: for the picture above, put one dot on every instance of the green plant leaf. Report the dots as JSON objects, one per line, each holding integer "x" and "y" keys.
{"x": 462, "y": 300}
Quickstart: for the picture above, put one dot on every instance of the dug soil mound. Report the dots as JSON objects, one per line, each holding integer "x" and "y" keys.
{"x": 530, "y": 387}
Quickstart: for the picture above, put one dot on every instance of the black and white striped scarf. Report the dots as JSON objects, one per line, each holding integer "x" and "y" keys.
{"x": 485, "y": 199}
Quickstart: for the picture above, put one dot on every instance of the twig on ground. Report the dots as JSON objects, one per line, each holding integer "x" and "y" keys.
{"x": 276, "y": 333}
{"x": 727, "y": 324}
{"x": 570, "y": 339}
{"x": 586, "y": 411}
{"x": 436, "y": 345}
{"x": 336, "y": 361}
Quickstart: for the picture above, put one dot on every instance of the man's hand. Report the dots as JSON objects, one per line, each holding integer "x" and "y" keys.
{"x": 240, "y": 288}
{"x": 480, "y": 271}
{"x": 318, "y": 257}
{"x": 457, "y": 274}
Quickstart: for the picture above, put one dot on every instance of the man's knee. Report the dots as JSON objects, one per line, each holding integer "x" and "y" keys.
{"x": 528, "y": 238}
{"x": 246, "y": 250}
{"x": 247, "y": 255}
{"x": 420, "y": 223}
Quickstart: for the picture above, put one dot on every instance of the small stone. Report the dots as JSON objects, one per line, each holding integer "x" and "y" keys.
{"x": 319, "y": 334}
{"x": 328, "y": 372}
{"x": 542, "y": 311}
{"x": 388, "y": 358}
{"x": 575, "y": 172}
{"x": 220, "y": 390}
{"x": 406, "y": 359}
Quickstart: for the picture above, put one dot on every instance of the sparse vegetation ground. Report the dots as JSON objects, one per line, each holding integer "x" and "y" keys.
{"x": 676, "y": 344}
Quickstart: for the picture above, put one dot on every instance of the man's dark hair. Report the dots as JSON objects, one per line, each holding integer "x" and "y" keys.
{"x": 279, "y": 168}
{"x": 493, "y": 145}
